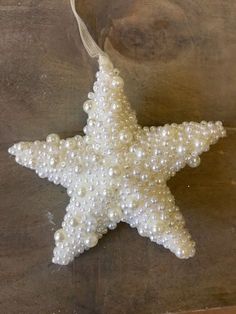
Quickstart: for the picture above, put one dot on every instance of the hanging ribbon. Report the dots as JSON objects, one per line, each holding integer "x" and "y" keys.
{"x": 90, "y": 45}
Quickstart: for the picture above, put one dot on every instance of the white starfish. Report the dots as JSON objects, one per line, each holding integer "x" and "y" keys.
{"x": 118, "y": 171}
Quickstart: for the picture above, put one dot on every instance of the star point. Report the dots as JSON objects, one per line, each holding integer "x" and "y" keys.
{"x": 118, "y": 171}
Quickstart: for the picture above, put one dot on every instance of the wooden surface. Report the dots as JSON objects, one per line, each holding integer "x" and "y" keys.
{"x": 179, "y": 62}
{"x": 225, "y": 310}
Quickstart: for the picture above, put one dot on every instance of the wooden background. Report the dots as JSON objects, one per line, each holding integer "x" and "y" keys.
{"x": 178, "y": 58}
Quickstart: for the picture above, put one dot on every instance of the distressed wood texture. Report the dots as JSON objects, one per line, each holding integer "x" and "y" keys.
{"x": 178, "y": 58}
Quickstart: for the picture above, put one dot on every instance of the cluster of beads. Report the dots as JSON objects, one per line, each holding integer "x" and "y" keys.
{"x": 118, "y": 171}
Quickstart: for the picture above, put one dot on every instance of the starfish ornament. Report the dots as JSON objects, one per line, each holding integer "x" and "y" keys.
{"x": 118, "y": 171}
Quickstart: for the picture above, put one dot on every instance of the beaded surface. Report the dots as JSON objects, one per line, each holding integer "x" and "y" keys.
{"x": 118, "y": 171}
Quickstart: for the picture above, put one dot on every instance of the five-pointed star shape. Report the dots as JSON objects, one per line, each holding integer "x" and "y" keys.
{"x": 118, "y": 171}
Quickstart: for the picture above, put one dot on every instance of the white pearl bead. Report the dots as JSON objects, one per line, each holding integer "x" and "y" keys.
{"x": 117, "y": 82}
{"x": 88, "y": 106}
{"x": 194, "y": 162}
{"x": 115, "y": 214}
{"x": 81, "y": 192}
{"x": 59, "y": 235}
{"x": 91, "y": 240}
{"x": 125, "y": 136}
{"x": 53, "y": 138}
{"x": 76, "y": 221}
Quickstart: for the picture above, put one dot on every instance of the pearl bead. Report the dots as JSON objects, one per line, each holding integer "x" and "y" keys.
{"x": 117, "y": 82}
{"x": 91, "y": 240}
{"x": 115, "y": 214}
{"x": 88, "y": 106}
{"x": 113, "y": 171}
{"x": 81, "y": 192}
{"x": 53, "y": 138}
{"x": 139, "y": 152}
{"x": 194, "y": 162}
{"x": 59, "y": 235}
{"x": 125, "y": 136}
{"x": 76, "y": 221}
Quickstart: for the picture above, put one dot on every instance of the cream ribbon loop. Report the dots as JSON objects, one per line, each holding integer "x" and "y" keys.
{"x": 90, "y": 45}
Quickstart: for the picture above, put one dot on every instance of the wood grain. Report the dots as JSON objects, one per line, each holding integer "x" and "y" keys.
{"x": 225, "y": 310}
{"x": 178, "y": 59}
